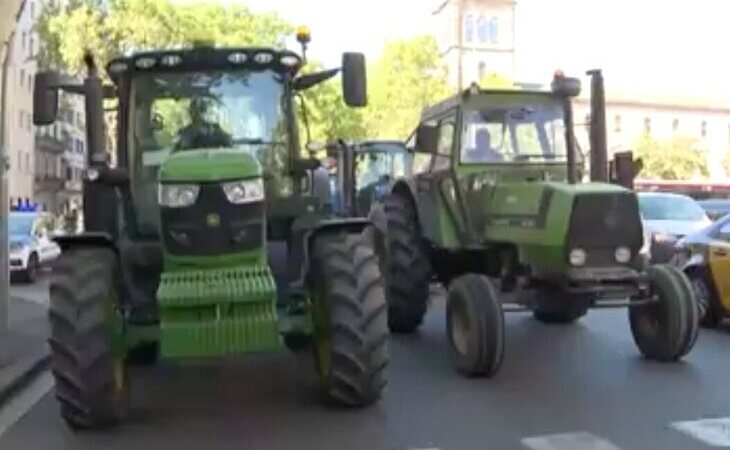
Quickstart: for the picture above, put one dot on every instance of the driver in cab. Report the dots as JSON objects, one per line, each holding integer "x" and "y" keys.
{"x": 201, "y": 132}
{"x": 482, "y": 151}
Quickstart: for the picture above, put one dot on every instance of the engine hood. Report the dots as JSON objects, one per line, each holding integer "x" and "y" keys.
{"x": 209, "y": 165}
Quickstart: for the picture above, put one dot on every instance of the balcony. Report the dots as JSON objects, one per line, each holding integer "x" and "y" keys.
{"x": 49, "y": 144}
{"x": 48, "y": 183}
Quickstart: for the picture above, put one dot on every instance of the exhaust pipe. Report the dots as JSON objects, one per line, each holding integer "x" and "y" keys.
{"x": 597, "y": 130}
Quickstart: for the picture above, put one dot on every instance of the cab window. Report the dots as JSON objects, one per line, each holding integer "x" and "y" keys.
{"x": 442, "y": 160}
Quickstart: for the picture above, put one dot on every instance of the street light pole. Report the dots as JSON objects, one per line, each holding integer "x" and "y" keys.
{"x": 4, "y": 206}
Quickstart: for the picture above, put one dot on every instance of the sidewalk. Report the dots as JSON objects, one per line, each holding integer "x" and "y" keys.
{"x": 23, "y": 349}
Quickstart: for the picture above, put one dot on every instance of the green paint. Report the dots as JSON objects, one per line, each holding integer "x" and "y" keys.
{"x": 215, "y": 312}
{"x": 210, "y": 165}
{"x": 186, "y": 263}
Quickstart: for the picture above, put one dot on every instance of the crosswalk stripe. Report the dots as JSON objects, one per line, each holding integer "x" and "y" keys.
{"x": 714, "y": 432}
{"x": 579, "y": 440}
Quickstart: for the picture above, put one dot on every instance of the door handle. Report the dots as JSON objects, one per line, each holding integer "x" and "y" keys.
{"x": 719, "y": 252}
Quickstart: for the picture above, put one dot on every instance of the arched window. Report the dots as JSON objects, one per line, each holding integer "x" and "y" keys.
{"x": 494, "y": 30}
{"x": 482, "y": 30}
{"x": 469, "y": 28}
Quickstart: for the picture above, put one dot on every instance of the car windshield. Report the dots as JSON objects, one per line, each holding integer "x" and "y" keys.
{"x": 661, "y": 207}
{"x": 20, "y": 224}
{"x": 183, "y": 111}
{"x": 503, "y": 128}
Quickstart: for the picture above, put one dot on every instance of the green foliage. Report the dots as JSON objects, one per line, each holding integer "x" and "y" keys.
{"x": 133, "y": 25}
{"x": 408, "y": 77}
{"x": 678, "y": 158}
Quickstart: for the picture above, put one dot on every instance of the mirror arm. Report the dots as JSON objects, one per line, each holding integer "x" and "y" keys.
{"x": 309, "y": 80}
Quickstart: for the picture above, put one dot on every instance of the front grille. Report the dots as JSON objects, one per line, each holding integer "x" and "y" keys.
{"x": 601, "y": 222}
{"x": 213, "y": 225}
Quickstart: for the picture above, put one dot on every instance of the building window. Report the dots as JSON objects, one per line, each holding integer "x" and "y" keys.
{"x": 482, "y": 69}
{"x": 22, "y": 77}
{"x": 482, "y": 30}
{"x": 703, "y": 130}
{"x": 27, "y": 161}
{"x": 69, "y": 173}
{"x": 32, "y": 11}
{"x": 21, "y": 116}
{"x": 24, "y": 39}
{"x": 494, "y": 30}
{"x": 647, "y": 125}
{"x": 30, "y": 82}
{"x": 28, "y": 122}
{"x": 469, "y": 28}
{"x": 675, "y": 125}
{"x": 617, "y": 123}
{"x": 31, "y": 47}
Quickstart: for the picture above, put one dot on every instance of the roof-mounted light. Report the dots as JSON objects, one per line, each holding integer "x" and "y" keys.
{"x": 303, "y": 34}
{"x": 263, "y": 58}
{"x": 559, "y": 74}
{"x": 171, "y": 60}
{"x": 237, "y": 58}
{"x": 118, "y": 67}
{"x": 289, "y": 60}
{"x": 146, "y": 62}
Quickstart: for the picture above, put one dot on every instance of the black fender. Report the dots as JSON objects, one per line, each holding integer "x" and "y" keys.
{"x": 87, "y": 239}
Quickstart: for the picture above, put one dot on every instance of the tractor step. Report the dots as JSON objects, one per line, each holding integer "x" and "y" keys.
{"x": 218, "y": 312}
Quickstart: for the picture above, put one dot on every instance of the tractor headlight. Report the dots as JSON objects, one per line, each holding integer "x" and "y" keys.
{"x": 622, "y": 255}
{"x": 244, "y": 191}
{"x": 577, "y": 257}
{"x": 178, "y": 195}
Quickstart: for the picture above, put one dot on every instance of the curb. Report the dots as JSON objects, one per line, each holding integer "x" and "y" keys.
{"x": 22, "y": 372}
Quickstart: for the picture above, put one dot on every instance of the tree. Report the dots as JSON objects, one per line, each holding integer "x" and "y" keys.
{"x": 408, "y": 77}
{"x": 678, "y": 158}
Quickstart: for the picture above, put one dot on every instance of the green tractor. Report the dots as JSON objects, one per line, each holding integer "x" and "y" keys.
{"x": 495, "y": 210}
{"x": 205, "y": 239}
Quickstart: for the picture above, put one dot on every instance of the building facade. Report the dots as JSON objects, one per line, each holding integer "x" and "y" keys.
{"x": 46, "y": 163}
{"x": 476, "y": 38}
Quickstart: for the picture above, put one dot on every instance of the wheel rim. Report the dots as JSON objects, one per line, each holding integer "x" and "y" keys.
{"x": 702, "y": 294}
{"x": 459, "y": 330}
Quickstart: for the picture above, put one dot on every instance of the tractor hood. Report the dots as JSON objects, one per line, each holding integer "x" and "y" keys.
{"x": 209, "y": 165}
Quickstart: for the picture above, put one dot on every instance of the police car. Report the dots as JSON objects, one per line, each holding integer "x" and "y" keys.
{"x": 31, "y": 246}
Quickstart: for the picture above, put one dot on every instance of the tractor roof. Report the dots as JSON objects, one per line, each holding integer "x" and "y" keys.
{"x": 205, "y": 58}
{"x": 457, "y": 99}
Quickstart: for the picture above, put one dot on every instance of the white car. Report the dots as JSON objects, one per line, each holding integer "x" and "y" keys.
{"x": 31, "y": 246}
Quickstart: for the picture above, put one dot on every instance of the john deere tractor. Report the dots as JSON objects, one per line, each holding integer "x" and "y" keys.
{"x": 496, "y": 211}
{"x": 204, "y": 239}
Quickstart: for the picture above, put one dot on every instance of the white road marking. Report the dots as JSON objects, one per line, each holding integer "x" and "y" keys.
{"x": 15, "y": 408}
{"x": 713, "y": 432}
{"x": 579, "y": 440}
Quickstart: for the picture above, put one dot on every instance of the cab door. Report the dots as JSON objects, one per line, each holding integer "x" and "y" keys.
{"x": 719, "y": 262}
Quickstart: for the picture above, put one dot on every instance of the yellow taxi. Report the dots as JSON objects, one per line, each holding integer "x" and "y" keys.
{"x": 705, "y": 257}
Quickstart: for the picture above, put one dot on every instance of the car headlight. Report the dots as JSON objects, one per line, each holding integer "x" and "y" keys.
{"x": 178, "y": 195}
{"x": 577, "y": 257}
{"x": 244, "y": 191}
{"x": 622, "y": 255}
{"x": 664, "y": 237}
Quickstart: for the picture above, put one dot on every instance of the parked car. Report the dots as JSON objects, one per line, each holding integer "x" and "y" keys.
{"x": 668, "y": 218}
{"x": 31, "y": 246}
{"x": 715, "y": 207}
{"x": 705, "y": 257}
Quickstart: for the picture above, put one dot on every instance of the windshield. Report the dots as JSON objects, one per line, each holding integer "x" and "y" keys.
{"x": 20, "y": 225}
{"x": 511, "y": 128}
{"x": 176, "y": 112}
{"x": 656, "y": 207}
{"x": 372, "y": 166}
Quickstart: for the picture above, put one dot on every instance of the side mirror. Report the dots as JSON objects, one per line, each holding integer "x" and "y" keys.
{"x": 354, "y": 80}
{"x": 45, "y": 98}
{"x": 426, "y": 138}
{"x": 566, "y": 86}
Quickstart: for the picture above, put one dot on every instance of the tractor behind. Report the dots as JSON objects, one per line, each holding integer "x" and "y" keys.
{"x": 496, "y": 211}
{"x": 205, "y": 239}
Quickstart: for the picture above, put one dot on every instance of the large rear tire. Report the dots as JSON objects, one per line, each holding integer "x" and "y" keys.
{"x": 91, "y": 377}
{"x": 666, "y": 330}
{"x": 475, "y": 325}
{"x": 408, "y": 272}
{"x": 350, "y": 317}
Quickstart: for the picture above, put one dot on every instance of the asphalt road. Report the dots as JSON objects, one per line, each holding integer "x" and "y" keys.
{"x": 580, "y": 386}
{"x": 35, "y": 292}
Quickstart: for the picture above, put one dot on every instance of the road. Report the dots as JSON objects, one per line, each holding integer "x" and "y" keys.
{"x": 36, "y": 292}
{"x": 586, "y": 380}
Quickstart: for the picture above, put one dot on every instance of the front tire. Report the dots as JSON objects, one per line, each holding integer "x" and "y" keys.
{"x": 91, "y": 377}
{"x": 667, "y": 329}
{"x": 30, "y": 274}
{"x": 350, "y": 317}
{"x": 475, "y": 325}
{"x": 408, "y": 272}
